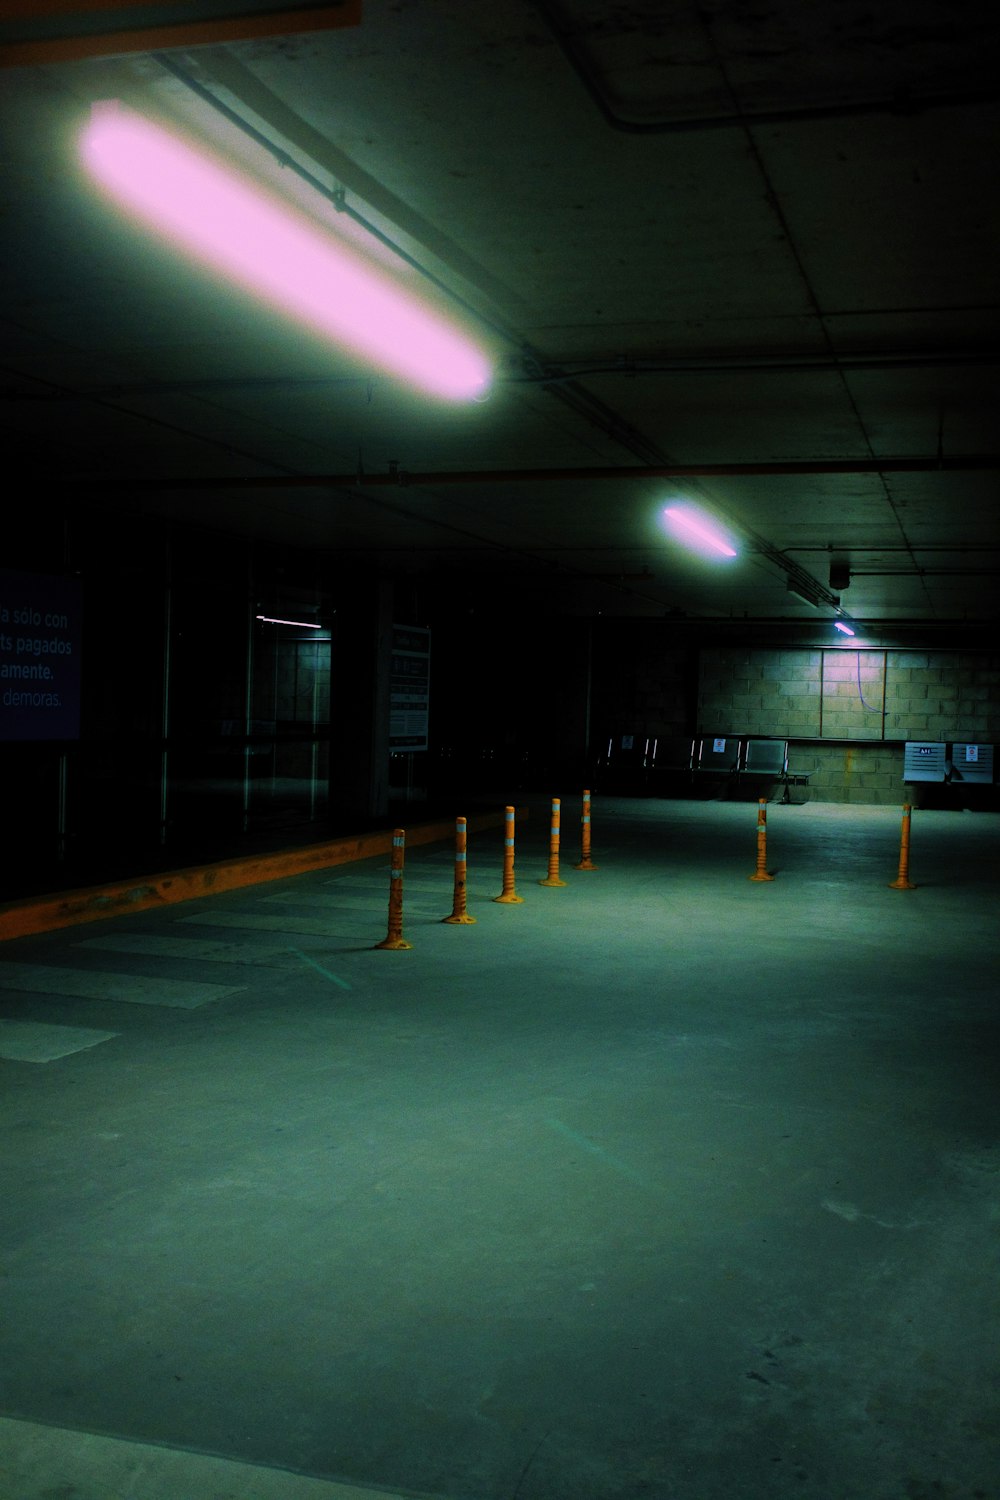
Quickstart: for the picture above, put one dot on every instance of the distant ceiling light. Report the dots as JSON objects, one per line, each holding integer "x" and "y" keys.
{"x": 694, "y": 527}
{"x": 303, "y": 624}
{"x": 844, "y": 629}
{"x": 226, "y": 221}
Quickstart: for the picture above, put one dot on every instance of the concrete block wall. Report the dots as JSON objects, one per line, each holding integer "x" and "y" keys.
{"x": 938, "y": 695}
{"x": 853, "y": 695}
{"x": 871, "y": 774}
{"x": 850, "y": 711}
{"x": 759, "y": 692}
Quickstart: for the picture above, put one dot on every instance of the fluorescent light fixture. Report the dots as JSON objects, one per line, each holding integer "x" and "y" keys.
{"x": 303, "y": 624}
{"x": 844, "y": 629}
{"x": 696, "y": 529}
{"x": 224, "y": 220}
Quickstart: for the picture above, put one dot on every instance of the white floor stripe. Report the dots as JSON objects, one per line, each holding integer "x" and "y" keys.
{"x": 204, "y": 950}
{"x": 352, "y": 903}
{"x": 429, "y": 882}
{"x": 307, "y": 926}
{"x": 32, "y": 1041}
{"x": 39, "y": 1463}
{"x": 130, "y": 989}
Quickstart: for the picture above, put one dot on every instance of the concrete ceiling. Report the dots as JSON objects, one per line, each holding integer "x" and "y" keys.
{"x": 743, "y": 254}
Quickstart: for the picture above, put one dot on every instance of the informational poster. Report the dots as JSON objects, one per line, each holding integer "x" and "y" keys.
{"x": 40, "y": 632}
{"x": 409, "y": 687}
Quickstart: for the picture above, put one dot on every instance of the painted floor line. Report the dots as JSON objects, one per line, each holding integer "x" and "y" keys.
{"x": 41, "y": 1042}
{"x": 251, "y": 922}
{"x": 598, "y": 1151}
{"x": 351, "y": 904}
{"x": 38, "y": 1462}
{"x": 335, "y": 978}
{"x": 201, "y": 950}
{"x": 128, "y": 989}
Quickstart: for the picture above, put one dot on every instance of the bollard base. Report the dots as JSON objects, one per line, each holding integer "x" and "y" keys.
{"x": 901, "y": 885}
{"x": 462, "y": 919}
{"x": 760, "y": 875}
{"x": 392, "y": 943}
{"x": 511, "y": 900}
{"x": 586, "y": 864}
{"x": 550, "y": 881}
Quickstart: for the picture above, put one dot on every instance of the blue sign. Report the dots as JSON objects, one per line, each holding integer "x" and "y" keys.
{"x": 40, "y": 632}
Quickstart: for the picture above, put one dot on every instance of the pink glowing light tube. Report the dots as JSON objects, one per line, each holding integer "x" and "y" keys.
{"x": 221, "y": 218}
{"x": 693, "y": 526}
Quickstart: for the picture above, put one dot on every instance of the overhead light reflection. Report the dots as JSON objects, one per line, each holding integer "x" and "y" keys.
{"x": 696, "y": 529}
{"x": 225, "y": 220}
{"x": 302, "y": 624}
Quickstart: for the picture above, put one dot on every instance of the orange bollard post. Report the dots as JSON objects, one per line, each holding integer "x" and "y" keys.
{"x": 394, "y": 937}
{"x": 458, "y": 909}
{"x": 902, "y": 881}
{"x": 508, "y": 895}
{"x": 761, "y": 871}
{"x": 553, "y": 876}
{"x": 586, "y": 863}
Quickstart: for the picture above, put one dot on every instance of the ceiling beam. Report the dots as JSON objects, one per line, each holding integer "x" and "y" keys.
{"x": 399, "y": 477}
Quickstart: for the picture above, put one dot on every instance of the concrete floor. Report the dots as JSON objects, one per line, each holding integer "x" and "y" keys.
{"x": 665, "y": 1185}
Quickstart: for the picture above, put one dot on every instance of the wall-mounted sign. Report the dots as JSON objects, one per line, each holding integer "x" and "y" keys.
{"x": 924, "y": 760}
{"x": 971, "y": 764}
{"x": 409, "y": 687}
{"x": 40, "y": 619}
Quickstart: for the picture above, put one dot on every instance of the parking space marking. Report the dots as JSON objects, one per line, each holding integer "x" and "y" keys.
{"x": 96, "y": 984}
{"x": 37, "y": 1042}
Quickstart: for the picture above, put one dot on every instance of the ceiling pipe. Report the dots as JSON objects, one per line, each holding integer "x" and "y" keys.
{"x": 748, "y": 365}
{"x": 567, "y": 370}
{"x": 401, "y": 478}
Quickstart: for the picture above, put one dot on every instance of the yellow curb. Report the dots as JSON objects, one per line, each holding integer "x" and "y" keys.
{"x": 66, "y": 908}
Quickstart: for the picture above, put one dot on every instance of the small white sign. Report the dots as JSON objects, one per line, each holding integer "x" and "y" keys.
{"x": 718, "y": 746}
{"x": 972, "y": 752}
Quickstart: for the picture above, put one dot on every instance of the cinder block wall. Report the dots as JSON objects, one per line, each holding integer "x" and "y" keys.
{"x": 846, "y": 714}
{"x": 851, "y": 773}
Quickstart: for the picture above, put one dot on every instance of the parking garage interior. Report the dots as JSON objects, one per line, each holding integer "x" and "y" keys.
{"x": 672, "y": 1174}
